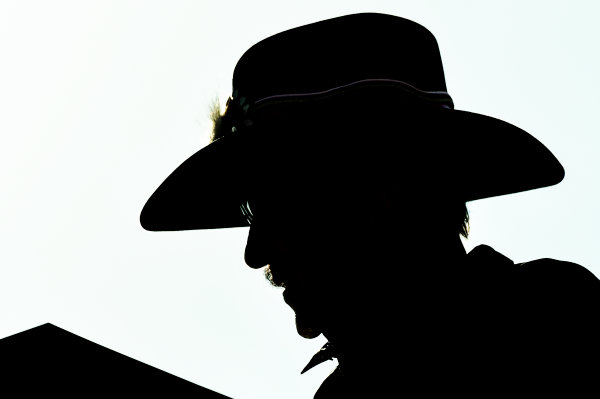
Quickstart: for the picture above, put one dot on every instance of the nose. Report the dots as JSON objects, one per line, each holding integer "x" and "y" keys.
{"x": 267, "y": 244}
{"x": 256, "y": 252}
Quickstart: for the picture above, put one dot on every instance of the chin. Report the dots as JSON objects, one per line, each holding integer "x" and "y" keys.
{"x": 306, "y": 329}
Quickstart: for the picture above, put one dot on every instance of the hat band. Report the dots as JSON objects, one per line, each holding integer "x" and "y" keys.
{"x": 440, "y": 97}
{"x": 238, "y": 106}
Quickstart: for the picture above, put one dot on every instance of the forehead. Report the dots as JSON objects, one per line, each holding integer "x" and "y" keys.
{"x": 333, "y": 151}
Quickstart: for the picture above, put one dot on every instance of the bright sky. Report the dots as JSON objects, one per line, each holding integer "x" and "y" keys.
{"x": 101, "y": 100}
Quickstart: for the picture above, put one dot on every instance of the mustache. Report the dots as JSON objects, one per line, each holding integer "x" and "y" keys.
{"x": 276, "y": 280}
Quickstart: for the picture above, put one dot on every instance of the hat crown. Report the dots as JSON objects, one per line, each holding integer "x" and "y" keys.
{"x": 337, "y": 52}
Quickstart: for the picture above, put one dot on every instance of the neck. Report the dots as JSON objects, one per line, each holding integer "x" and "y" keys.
{"x": 377, "y": 324}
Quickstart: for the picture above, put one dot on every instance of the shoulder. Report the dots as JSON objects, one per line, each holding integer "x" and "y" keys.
{"x": 544, "y": 269}
{"x": 541, "y": 279}
{"x": 561, "y": 277}
{"x": 557, "y": 267}
{"x": 544, "y": 313}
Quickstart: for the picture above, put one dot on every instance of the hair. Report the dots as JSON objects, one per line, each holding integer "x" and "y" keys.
{"x": 442, "y": 211}
{"x": 222, "y": 121}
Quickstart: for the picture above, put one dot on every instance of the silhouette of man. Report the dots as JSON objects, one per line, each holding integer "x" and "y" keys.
{"x": 341, "y": 149}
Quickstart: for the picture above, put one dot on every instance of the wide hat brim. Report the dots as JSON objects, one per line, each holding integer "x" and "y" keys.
{"x": 479, "y": 156}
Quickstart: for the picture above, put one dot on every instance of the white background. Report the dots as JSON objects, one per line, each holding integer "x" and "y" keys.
{"x": 101, "y": 100}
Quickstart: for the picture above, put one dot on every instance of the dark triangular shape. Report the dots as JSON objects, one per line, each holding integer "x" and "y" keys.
{"x": 49, "y": 360}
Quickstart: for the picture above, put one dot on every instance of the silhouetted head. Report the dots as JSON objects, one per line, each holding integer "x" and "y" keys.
{"x": 342, "y": 225}
{"x": 342, "y": 144}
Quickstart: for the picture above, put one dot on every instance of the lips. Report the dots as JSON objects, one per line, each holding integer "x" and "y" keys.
{"x": 299, "y": 290}
{"x": 289, "y": 297}
{"x": 297, "y": 298}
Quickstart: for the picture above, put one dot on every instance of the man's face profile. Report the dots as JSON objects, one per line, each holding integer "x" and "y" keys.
{"x": 303, "y": 241}
{"x": 326, "y": 227}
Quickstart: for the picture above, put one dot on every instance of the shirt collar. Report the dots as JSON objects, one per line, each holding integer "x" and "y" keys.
{"x": 327, "y": 352}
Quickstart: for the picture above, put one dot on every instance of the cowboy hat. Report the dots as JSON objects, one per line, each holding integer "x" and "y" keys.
{"x": 332, "y": 72}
